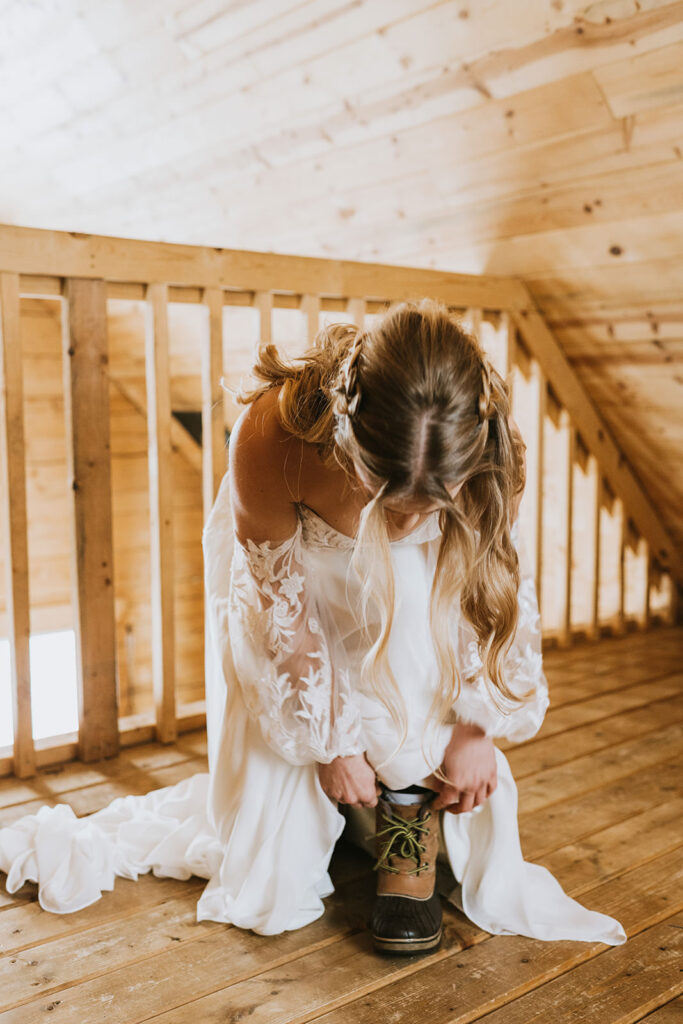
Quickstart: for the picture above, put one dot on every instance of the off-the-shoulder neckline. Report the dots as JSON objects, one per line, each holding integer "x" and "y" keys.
{"x": 273, "y": 547}
{"x": 346, "y": 537}
{"x": 249, "y": 545}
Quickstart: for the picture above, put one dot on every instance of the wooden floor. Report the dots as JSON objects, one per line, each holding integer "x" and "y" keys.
{"x": 601, "y": 805}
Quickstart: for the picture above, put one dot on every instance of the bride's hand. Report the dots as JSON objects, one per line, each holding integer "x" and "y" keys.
{"x": 470, "y": 766}
{"x": 350, "y": 780}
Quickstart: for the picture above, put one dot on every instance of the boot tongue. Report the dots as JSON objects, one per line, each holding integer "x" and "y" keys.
{"x": 406, "y": 849}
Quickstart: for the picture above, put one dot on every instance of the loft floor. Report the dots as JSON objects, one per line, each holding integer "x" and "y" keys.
{"x": 601, "y": 805}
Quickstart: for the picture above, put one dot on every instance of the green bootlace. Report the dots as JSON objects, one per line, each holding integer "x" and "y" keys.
{"x": 404, "y": 841}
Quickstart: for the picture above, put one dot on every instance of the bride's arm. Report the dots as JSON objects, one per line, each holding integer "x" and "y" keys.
{"x": 293, "y": 675}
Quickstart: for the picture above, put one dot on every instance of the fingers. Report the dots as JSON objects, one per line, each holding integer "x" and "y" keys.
{"x": 481, "y": 795}
{"x": 447, "y": 796}
{"x": 466, "y": 799}
{"x": 358, "y": 800}
{"x": 354, "y": 801}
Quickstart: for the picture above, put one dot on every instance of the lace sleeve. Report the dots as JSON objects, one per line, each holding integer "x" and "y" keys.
{"x": 293, "y": 676}
{"x": 523, "y": 669}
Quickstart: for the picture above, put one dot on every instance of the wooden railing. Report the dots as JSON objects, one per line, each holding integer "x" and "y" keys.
{"x": 569, "y": 449}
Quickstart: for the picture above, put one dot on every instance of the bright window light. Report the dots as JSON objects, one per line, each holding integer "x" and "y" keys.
{"x": 53, "y": 686}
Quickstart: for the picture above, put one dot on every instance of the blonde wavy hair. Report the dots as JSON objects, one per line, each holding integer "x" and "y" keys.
{"x": 415, "y": 402}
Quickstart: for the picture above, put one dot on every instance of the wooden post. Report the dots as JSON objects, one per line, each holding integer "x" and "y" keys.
{"x": 161, "y": 509}
{"x": 86, "y": 408}
{"x": 14, "y": 517}
{"x": 214, "y": 454}
{"x": 569, "y": 441}
{"x": 310, "y": 307}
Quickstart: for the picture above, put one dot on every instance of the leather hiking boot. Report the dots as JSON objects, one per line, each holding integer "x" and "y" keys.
{"x": 406, "y": 917}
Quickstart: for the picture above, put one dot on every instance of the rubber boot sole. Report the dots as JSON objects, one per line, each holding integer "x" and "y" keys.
{"x": 407, "y": 946}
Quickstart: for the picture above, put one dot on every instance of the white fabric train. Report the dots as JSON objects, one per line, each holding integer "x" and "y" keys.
{"x": 282, "y": 671}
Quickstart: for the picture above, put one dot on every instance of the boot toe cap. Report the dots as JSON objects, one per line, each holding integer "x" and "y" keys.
{"x": 404, "y": 918}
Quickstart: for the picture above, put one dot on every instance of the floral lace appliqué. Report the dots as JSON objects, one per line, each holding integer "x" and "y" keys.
{"x": 302, "y": 701}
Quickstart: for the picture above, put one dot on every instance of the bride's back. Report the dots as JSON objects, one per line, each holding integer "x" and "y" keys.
{"x": 271, "y": 471}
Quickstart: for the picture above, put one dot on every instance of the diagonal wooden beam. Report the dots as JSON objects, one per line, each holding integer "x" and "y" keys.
{"x": 613, "y": 463}
{"x": 181, "y": 440}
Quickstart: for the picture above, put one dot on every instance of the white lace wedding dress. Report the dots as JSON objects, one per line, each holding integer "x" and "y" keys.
{"x": 283, "y": 693}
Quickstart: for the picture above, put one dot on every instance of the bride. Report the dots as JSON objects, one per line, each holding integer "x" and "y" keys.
{"x": 372, "y": 628}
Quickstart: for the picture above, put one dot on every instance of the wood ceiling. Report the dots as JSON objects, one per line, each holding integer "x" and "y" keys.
{"x": 536, "y": 138}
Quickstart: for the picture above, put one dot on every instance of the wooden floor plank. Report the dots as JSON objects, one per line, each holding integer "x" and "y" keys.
{"x": 574, "y": 819}
{"x": 596, "y": 769}
{"x": 24, "y": 927}
{"x": 221, "y": 955}
{"x": 651, "y": 643}
{"x": 601, "y": 796}
{"x": 593, "y": 709}
{"x": 77, "y": 958}
{"x": 581, "y": 865}
{"x": 590, "y": 684}
{"x": 455, "y": 988}
{"x": 629, "y": 666}
{"x": 531, "y": 758}
{"x": 93, "y": 798}
{"x": 28, "y": 925}
{"x": 53, "y": 782}
{"x": 619, "y": 986}
{"x": 670, "y": 1013}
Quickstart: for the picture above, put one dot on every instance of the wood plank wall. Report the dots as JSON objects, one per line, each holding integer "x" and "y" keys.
{"x": 565, "y": 511}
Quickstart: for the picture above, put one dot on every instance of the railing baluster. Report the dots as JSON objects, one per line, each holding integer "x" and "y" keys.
{"x": 641, "y": 587}
{"x": 356, "y": 309}
{"x": 508, "y": 344}
{"x": 620, "y": 625}
{"x": 540, "y": 396}
{"x": 648, "y": 588}
{"x": 568, "y": 434}
{"x": 263, "y": 302}
{"x": 310, "y": 307}
{"x": 674, "y": 601}
{"x": 473, "y": 318}
{"x": 86, "y": 408}
{"x": 214, "y": 461}
{"x": 161, "y": 509}
{"x": 597, "y": 498}
{"x": 14, "y": 516}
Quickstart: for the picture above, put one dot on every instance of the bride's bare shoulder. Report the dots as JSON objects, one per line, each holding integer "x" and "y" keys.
{"x": 262, "y": 465}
